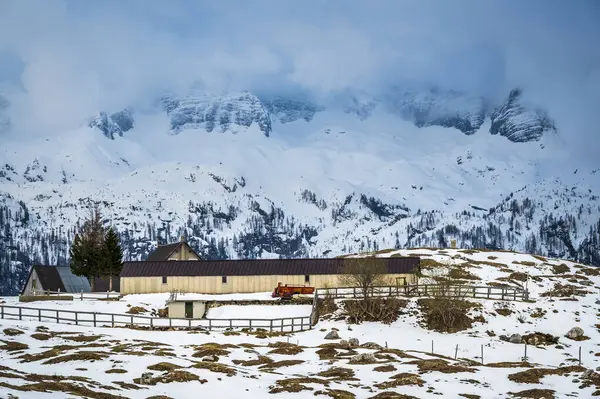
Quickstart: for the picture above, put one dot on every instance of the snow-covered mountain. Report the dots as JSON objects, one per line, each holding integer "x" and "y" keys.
{"x": 243, "y": 175}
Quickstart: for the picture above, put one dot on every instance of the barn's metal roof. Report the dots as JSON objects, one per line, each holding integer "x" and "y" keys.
{"x": 71, "y": 282}
{"x": 255, "y": 267}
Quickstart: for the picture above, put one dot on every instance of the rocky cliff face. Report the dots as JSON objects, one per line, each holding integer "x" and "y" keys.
{"x": 113, "y": 125}
{"x": 436, "y": 107}
{"x": 287, "y": 110}
{"x": 226, "y": 113}
{"x": 520, "y": 123}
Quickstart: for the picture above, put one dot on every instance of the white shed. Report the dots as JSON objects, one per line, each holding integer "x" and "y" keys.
{"x": 186, "y": 309}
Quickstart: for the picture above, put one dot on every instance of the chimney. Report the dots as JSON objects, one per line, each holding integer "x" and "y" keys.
{"x": 182, "y": 239}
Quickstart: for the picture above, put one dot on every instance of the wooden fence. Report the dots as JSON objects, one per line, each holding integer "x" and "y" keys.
{"x": 424, "y": 290}
{"x": 420, "y": 290}
{"x": 81, "y": 295}
{"x": 95, "y": 319}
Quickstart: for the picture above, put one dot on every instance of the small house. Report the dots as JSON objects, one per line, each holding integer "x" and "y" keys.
{"x": 53, "y": 279}
{"x": 186, "y": 309}
{"x": 171, "y": 252}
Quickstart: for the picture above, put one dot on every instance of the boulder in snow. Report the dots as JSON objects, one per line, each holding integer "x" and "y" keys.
{"x": 333, "y": 334}
{"x": 363, "y": 358}
{"x": 575, "y": 333}
{"x": 371, "y": 345}
{"x": 146, "y": 379}
{"x": 353, "y": 342}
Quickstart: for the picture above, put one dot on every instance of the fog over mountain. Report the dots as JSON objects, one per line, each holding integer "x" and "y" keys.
{"x": 314, "y": 128}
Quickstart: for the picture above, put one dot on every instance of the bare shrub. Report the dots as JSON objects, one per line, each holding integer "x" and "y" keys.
{"x": 364, "y": 273}
{"x": 385, "y": 310}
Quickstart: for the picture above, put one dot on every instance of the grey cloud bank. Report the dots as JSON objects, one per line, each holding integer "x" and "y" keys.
{"x": 64, "y": 59}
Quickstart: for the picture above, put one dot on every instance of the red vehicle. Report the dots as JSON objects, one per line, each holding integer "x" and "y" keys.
{"x": 287, "y": 292}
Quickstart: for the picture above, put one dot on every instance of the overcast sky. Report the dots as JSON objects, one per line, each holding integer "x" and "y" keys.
{"x": 60, "y": 60}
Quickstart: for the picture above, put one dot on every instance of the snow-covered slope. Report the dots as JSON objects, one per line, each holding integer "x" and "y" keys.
{"x": 245, "y": 177}
{"x": 402, "y": 358}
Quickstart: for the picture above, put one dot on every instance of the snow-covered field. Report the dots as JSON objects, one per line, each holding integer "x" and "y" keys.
{"x": 254, "y": 364}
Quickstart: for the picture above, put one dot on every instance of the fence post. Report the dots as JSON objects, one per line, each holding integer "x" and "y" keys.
{"x": 94, "y": 319}
{"x": 456, "y": 352}
{"x": 302, "y": 324}
{"x": 525, "y": 357}
{"x": 293, "y": 323}
{"x": 271, "y": 326}
{"x": 189, "y": 323}
{"x": 503, "y": 290}
{"x": 515, "y": 295}
{"x": 489, "y": 292}
{"x": 131, "y": 321}
{"x": 76, "y": 321}
{"x": 39, "y": 315}
{"x": 82, "y": 295}
{"x": 230, "y": 323}
{"x": 580, "y": 356}
{"x": 474, "y": 292}
{"x": 151, "y": 323}
{"x": 57, "y": 318}
{"x": 2, "y": 311}
{"x": 482, "y": 354}
{"x": 432, "y": 347}
{"x": 112, "y": 320}
{"x": 20, "y": 316}
{"x": 250, "y": 324}
{"x": 209, "y": 324}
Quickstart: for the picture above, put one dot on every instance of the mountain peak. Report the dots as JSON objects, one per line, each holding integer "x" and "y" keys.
{"x": 113, "y": 125}
{"x": 224, "y": 113}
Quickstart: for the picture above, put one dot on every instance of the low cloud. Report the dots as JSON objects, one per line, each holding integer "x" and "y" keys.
{"x": 66, "y": 59}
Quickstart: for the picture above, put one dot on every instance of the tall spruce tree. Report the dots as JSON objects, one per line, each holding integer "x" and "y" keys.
{"x": 112, "y": 256}
{"x": 87, "y": 251}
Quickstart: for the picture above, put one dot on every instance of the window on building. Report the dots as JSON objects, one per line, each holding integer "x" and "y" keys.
{"x": 224, "y": 279}
{"x": 164, "y": 279}
{"x": 307, "y": 278}
{"x": 34, "y": 284}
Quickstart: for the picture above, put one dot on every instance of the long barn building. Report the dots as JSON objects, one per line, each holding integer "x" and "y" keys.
{"x": 178, "y": 267}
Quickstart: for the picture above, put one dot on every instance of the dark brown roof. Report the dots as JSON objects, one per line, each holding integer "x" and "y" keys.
{"x": 254, "y": 267}
{"x": 162, "y": 252}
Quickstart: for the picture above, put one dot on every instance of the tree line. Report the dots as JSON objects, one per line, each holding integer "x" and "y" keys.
{"x": 96, "y": 251}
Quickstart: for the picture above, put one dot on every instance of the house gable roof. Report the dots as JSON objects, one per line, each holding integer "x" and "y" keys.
{"x": 163, "y": 252}
{"x": 57, "y": 278}
{"x": 255, "y": 267}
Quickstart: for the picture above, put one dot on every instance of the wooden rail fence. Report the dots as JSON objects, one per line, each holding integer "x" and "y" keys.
{"x": 81, "y": 295}
{"x": 95, "y": 319}
{"x": 420, "y": 290}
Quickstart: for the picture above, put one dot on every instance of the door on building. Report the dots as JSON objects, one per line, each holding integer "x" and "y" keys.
{"x": 189, "y": 310}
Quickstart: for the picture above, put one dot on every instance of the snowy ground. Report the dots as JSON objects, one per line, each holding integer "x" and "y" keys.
{"x": 118, "y": 356}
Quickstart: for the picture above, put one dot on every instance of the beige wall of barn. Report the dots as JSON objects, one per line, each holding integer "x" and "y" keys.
{"x": 177, "y": 310}
{"x": 183, "y": 253}
{"x": 214, "y": 285}
{"x": 29, "y": 286}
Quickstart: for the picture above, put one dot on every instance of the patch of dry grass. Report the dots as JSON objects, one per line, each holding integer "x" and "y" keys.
{"x": 284, "y": 348}
{"x": 13, "y": 346}
{"x": 86, "y": 356}
{"x": 560, "y": 269}
{"x": 402, "y": 379}
{"x": 41, "y": 336}
{"x": 440, "y": 365}
{"x": 84, "y": 338}
{"x": 11, "y": 332}
{"x": 215, "y": 368}
{"x": 385, "y": 369}
{"x": 296, "y": 384}
{"x": 534, "y": 394}
{"x": 116, "y": 371}
{"x": 136, "y": 310}
{"x": 534, "y": 376}
{"x": 261, "y": 360}
{"x": 164, "y": 366}
{"x": 338, "y": 374}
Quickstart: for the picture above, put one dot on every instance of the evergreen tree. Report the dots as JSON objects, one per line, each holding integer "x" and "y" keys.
{"x": 87, "y": 249}
{"x": 112, "y": 256}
